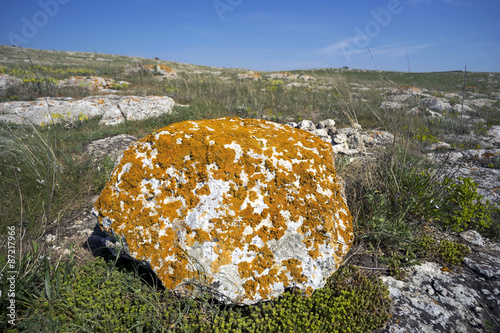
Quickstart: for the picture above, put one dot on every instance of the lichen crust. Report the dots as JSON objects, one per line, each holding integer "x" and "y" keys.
{"x": 244, "y": 207}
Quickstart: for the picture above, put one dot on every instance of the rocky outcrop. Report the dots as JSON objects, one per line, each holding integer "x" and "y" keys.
{"x": 283, "y": 76}
{"x": 241, "y": 208}
{"x": 249, "y": 76}
{"x": 95, "y": 83}
{"x": 7, "y": 80}
{"x": 435, "y": 104}
{"x": 161, "y": 70}
{"x": 113, "y": 109}
{"x": 434, "y": 299}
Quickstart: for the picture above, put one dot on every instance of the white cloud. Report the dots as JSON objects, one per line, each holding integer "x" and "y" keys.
{"x": 338, "y": 47}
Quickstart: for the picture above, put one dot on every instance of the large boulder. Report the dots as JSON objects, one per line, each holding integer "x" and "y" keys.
{"x": 241, "y": 208}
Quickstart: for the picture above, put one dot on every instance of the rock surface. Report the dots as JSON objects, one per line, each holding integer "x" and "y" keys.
{"x": 434, "y": 299}
{"x": 92, "y": 82}
{"x": 7, "y": 80}
{"x": 113, "y": 109}
{"x": 252, "y": 206}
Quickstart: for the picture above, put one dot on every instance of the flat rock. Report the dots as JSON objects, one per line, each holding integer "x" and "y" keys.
{"x": 241, "y": 208}
{"x": 113, "y": 109}
{"x": 109, "y": 147}
{"x": 431, "y": 299}
{"x": 7, "y": 80}
{"x": 435, "y": 104}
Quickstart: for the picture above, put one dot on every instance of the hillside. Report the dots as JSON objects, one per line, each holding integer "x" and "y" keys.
{"x": 419, "y": 154}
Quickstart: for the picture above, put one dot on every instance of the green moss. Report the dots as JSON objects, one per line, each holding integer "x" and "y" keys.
{"x": 350, "y": 302}
{"x": 450, "y": 253}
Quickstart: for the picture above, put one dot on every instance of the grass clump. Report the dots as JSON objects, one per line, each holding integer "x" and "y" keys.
{"x": 403, "y": 196}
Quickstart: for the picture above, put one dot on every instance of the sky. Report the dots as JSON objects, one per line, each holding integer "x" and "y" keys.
{"x": 389, "y": 35}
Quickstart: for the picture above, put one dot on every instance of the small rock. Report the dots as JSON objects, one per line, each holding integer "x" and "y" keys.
{"x": 306, "y": 125}
{"x": 435, "y": 104}
{"x": 327, "y": 123}
{"x": 323, "y": 134}
{"x": 378, "y": 138}
{"x": 50, "y": 238}
{"x": 340, "y": 138}
{"x": 391, "y": 105}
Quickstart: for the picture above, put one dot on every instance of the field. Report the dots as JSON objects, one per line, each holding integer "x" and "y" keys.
{"x": 395, "y": 193}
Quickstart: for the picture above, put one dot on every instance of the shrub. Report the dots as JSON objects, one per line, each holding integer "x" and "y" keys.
{"x": 350, "y": 302}
{"x": 451, "y": 253}
{"x": 471, "y": 210}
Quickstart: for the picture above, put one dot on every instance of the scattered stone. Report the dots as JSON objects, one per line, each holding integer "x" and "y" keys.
{"x": 284, "y": 75}
{"x": 323, "y": 134}
{"x": 306, "y": 125}
{"x": 330, "y": 124}
{"x": 378, "y": 138}
{"x": 391, "y": 105}
{"x": 253, "y": 205}
{"x": 439, "y": 145}
{"x": 307, "y": 77}
{"x": 162, "y": 70}
{"x": 487, "y": 179}
{"x": 297, "y": 85}
{"x": 340, "y": 138}
{"x": 399, "y": 98}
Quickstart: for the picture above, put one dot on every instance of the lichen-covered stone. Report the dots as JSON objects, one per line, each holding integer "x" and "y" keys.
{"x": 245, "y": 208}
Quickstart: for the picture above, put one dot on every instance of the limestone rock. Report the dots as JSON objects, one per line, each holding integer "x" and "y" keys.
{"x": 306, "y": 125}
{"x": 391, "y": 105}
{"x": 92, "y": 82}
{"x": 322, "y": 133}
{"x": 493, "y": 135}
{"x": 435, "y": 104}
{"x": 251, "y": 206}
{"x": 284, "y": 75}
{"x": 112, "y": 108}
{"x": 378, "y": 138}
{"x": 112, "y": 146}
{"x": 7, "y": 80}
{"x": 162, "y": 70}
{"x": 473, "y": 237}
{"x": 249, "y": 76}
{"x": 431, "y": 299}
{"x": 307, "y": 77}
{"x": 462, "y": 108}
{"x": 327, "y": 123}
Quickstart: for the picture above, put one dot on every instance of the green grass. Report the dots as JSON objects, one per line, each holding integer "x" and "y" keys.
{"x": 46, "y": 177}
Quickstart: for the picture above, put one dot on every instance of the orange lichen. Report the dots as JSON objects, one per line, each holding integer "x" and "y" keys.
{"x": 268, "y": 175}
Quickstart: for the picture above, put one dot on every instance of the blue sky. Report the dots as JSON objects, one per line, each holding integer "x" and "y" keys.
{"x": 420, "y": 35}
